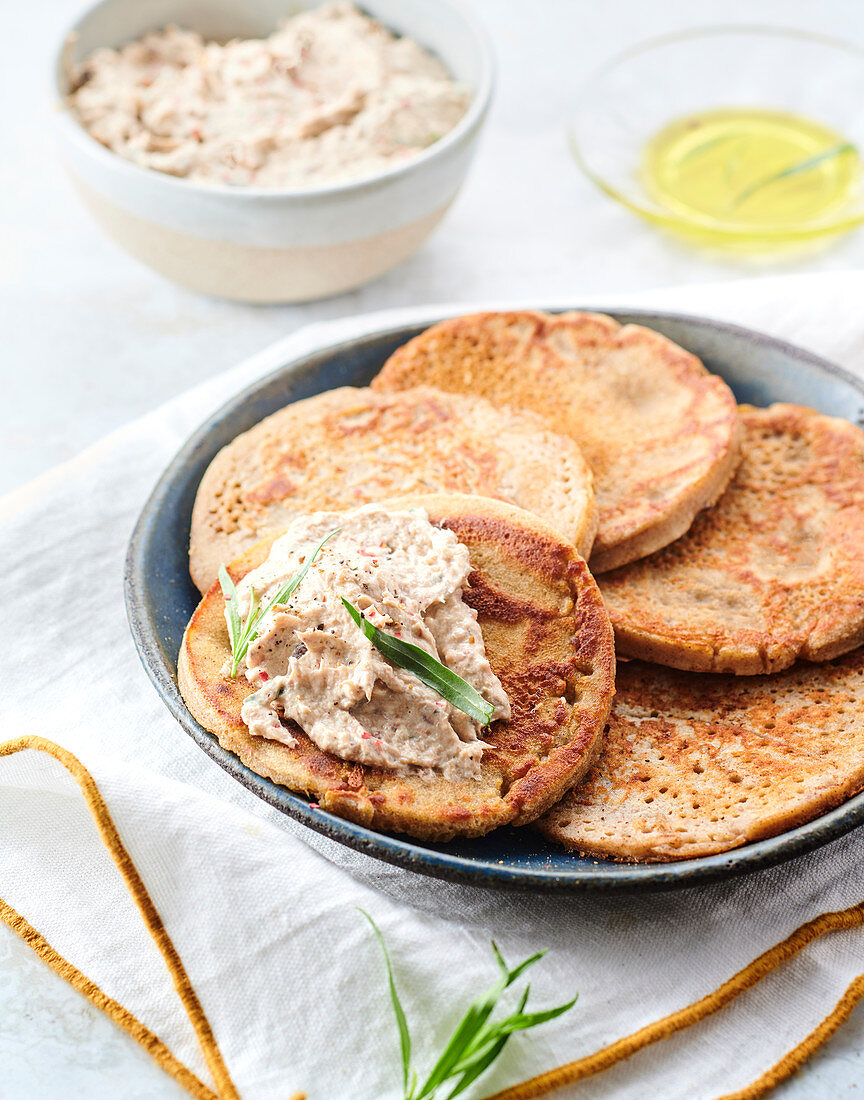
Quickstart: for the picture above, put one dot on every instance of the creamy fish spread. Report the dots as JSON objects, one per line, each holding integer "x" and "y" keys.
{"x": 330, "y": 96}
{"x": 317, "y": 668}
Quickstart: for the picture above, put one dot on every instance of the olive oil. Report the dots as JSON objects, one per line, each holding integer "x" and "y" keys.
{"x": 760, "y": 175}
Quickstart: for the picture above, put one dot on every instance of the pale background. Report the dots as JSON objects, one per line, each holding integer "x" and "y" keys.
{"x": 92, "y": 339}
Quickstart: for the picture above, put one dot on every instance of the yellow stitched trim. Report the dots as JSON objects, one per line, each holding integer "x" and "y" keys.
{"x": 528, "y": 1090}
{"x": 108, "y": 831}
{"x": 796, "y": 1058}
{"x": 121, "y": 1016}
{"x": 754, "y": 972}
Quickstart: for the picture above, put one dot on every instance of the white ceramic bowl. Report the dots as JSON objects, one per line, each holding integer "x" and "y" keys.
{"x": 269, "y": 245}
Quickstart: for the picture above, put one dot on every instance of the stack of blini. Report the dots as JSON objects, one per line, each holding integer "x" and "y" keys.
{"x": 727, "y": 544}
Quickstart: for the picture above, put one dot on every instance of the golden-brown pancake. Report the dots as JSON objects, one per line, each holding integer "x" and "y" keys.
{"x": 659, "y": 432}
{"x": 349, "y": 447}
{"x": 547, "y": 637}
{"x": 773, "y": 572}
{"x": 693, "y": 764}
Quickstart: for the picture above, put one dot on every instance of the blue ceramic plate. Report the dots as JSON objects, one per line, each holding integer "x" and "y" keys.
{"x": 160, "y": 599}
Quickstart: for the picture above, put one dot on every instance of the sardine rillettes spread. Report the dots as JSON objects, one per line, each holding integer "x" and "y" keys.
{"x": 330, "y": 96}
{"x": 317, "y": 668}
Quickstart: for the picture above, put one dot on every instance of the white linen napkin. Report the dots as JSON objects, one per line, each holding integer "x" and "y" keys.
{"x": 263, "y": 912}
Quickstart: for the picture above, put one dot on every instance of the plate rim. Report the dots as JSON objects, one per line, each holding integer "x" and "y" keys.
{"x": 402, "y": 851}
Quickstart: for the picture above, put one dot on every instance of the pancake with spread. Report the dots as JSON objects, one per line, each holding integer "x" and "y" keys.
{"x": 773, "y": 572}
{"x": 693, "y": 765}
{"x": 347, "y": 447}
{"x": 660, "y": 433}
{"x": 490, "y": 591}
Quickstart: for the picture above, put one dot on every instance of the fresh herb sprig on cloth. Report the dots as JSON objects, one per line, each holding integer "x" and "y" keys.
{"x": 242, "y": 634}
{"x": 426, "y": 668}
{"x": 477, "y": 1040}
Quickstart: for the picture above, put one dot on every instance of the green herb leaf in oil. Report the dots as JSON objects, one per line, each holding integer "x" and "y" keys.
{"x": 796, "y": 169}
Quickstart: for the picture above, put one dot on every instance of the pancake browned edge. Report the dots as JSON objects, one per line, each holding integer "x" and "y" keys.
{"x": 548, "y": 639}
{"x": 773, "y": 572}
{"x": 348, "y": 447}
{"x": 693, "y": 765}
{"x": 660, "y": 432}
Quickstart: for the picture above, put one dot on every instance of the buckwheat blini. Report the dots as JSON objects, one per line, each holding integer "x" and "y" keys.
{"x": 693, "y": 765}
{"x": 348, "y": 447}
{"x": 660, "y": 433}
{"x": 545, "y": 634}
{"x": 773, "y": 572}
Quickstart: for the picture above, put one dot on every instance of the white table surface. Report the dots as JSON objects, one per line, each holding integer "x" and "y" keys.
{"x": 92, "y": 339}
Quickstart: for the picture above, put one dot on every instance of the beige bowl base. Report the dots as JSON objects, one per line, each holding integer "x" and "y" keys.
{"x": 248, "y": 273}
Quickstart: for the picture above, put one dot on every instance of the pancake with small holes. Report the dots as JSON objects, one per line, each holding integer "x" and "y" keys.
{"x": 547, "y": 638}
{"x": 348, "y": 447}
{"x": 693, "y": 765}
{"x": 773, "y": 572}
{"x": 660, "y": 432}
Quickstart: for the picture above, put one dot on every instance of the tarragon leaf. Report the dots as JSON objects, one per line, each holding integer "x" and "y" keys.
{"x": 232, "y": 615}
{"x": 793, "y": 170}
{"x": 426, "y": 668}
{"x": 477, "y": 1040}
{"x": 398, "y": 1011}
{"x": 242, "y": 634}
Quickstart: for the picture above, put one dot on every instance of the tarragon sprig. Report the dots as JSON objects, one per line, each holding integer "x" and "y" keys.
{"x": 477, "y": 1040}
{"x": 793, "y": 170}
{"x": 426, "y": 668}
{"x": 242, "y": 633}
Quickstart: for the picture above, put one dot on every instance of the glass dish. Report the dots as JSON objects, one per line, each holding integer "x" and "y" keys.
{"x": 632, "y": 99}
